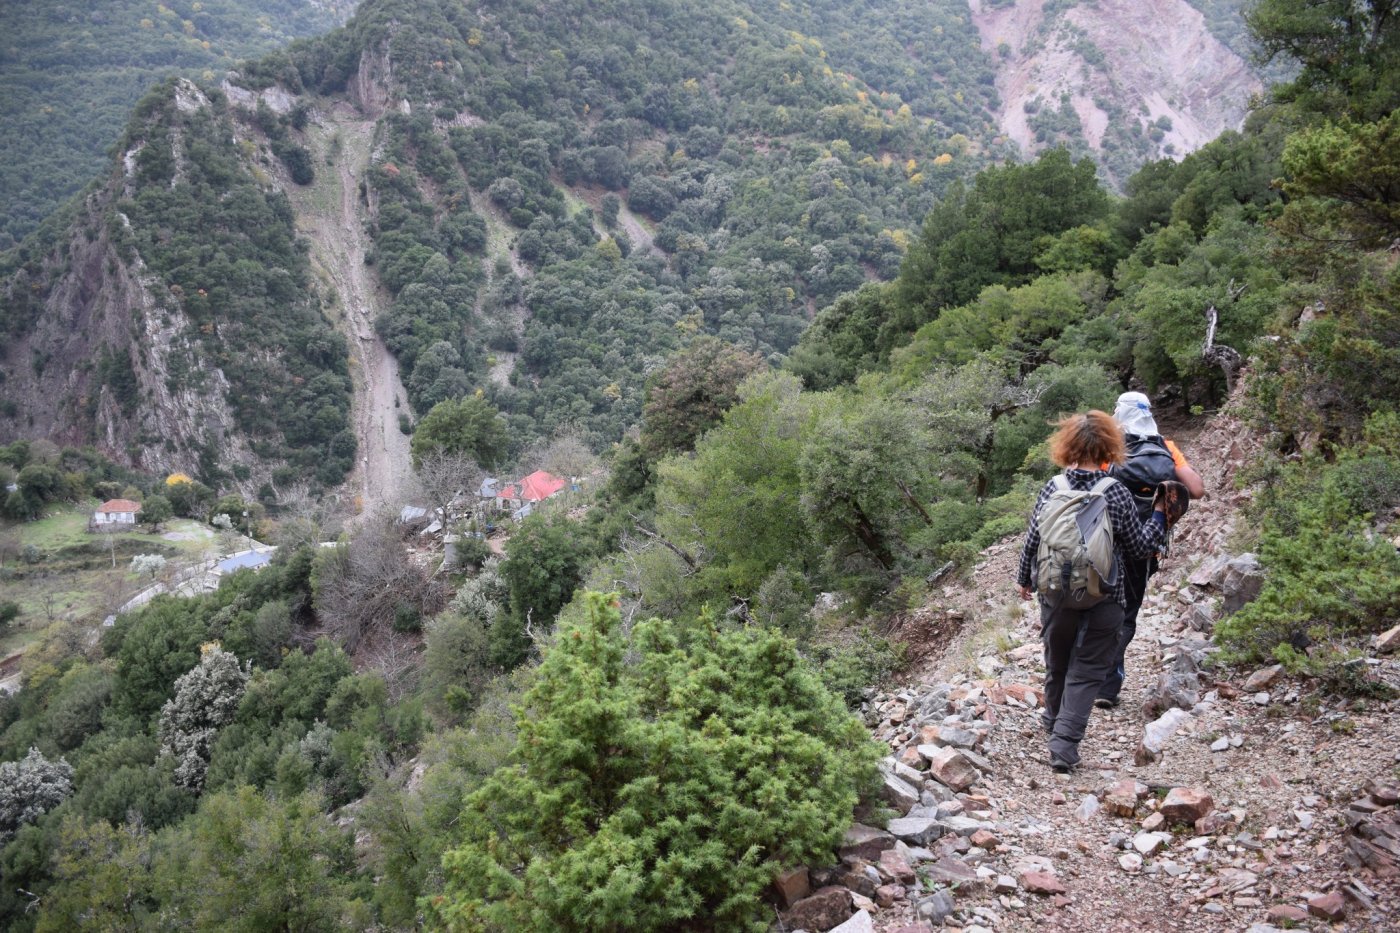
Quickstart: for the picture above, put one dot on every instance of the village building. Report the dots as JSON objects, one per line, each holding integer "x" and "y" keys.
{"x": 519, "y": 499}
{"x": 114, "y": 515}
{"x": 255, "y": 559}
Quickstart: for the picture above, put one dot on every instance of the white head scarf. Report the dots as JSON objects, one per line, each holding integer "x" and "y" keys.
{"x": 1134, "y": 414}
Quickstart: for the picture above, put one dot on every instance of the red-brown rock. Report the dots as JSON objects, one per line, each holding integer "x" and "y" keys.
{"x": 1121, "y": 799}
{"x": 858, "y": 882}
{"x": 829, "y": 907}
{"x": 1186, "y": 804}
{"x": 950, "y": 767}
{"x": 1024, "y": 693}
{"x": 792, "y": 886}
{"x": 1042, "y": 883}
{"x": 1329, "y": 907}
{"x": 864, "y": 842}
{"x": 887, "y": 894}
{"x": 984, "y": 840}
{"x": 1287, "y": 913}
{"x": 911, "y": 757}
{"x": 895, "y": 867}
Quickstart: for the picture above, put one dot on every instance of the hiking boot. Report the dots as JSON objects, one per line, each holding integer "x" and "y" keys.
{"x": 1107, "y": 702}
{"x": 1061, "y": 766}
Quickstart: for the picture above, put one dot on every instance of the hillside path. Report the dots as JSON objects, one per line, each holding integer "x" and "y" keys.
{"x": 1285, "y": 766}
{"x": 331, "y": 215}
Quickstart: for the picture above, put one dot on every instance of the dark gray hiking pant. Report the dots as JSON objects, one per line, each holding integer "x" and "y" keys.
{"x": 1135, "y": 576}
{"x": 1081, "y": 649}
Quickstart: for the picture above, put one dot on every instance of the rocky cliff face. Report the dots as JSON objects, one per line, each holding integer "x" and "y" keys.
{"x": 103, "y": 355}
{"x": 1123, "y": 80}
{"x": 152, "y": 326}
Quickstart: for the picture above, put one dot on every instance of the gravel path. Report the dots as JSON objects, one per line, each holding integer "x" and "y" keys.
{"x": 1282, "y": 763}
{"x": 331, "y": 213}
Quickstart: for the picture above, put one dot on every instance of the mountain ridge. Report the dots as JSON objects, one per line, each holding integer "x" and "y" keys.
{"x": 740, "y": 204}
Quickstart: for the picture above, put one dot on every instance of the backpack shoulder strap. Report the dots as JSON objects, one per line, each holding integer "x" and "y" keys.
{"x": 1061, "y": 482}
{"x": 1101, "y": 487}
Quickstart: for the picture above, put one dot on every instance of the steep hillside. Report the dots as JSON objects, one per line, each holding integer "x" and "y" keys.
{"x": 70, "y": 73}
{"x": 543, "y": 228}
{"x": 1124, "y": 81}
{"x": 550, "y": 205}
{"x": 173, "y": 324}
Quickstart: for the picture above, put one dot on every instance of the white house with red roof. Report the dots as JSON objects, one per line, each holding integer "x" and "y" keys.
{"x": 115, "y": 514}
{"x": 520, "y": 498}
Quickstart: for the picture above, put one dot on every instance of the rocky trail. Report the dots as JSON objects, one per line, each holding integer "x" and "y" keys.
{"x": 331, "y": 217}
{"x": 1209, "y": 800}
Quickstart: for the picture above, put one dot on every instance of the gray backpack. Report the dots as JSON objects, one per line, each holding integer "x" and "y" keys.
{"x": 1075, "y": 565}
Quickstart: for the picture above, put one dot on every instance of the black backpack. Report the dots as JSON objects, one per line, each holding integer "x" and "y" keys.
{"x": 1149, "y": 463}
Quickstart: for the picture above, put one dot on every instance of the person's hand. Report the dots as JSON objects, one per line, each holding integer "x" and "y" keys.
{"x": 1025, "y": 592}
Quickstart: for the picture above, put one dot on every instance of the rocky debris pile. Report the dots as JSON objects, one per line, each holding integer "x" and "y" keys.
{"x": 1373, "y": 831}
{"x": 1237, "y": 580}
{"x": 944, "y": 841}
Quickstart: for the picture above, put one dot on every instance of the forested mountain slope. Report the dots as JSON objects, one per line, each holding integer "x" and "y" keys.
{"x": 556, "y": 200}
{"x": 365, "y": 736}
{"x": 174, "y": 323}
{"x": 70, "y": 72}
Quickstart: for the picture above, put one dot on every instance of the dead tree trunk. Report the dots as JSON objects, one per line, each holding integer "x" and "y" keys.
{"x": 1217, "y": 354}
{"x": 689, "y": 561}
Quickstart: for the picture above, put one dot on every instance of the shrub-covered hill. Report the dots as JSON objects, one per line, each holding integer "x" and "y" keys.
{"x": 577, "y": 189}
{"x": 169, "y": 317}
{"x": 70, "y": 72}
{"x": 574, "y": 191}
{"x": 558, "y": 197}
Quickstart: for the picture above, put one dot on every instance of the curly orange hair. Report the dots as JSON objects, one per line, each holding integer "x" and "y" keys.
{"x": 1091, "y": 440}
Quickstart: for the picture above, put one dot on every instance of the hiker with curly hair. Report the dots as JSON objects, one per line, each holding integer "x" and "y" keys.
{"x": 1084, "y": 524}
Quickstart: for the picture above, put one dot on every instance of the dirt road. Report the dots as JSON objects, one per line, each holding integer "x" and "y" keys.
{"x": 331, "y": 216}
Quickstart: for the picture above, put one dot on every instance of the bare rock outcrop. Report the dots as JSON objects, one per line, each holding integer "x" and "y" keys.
{"x": 1150, "y": 65}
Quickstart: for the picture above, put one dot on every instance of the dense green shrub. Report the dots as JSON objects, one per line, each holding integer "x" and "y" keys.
{"x": 1329, "y": 577}
{"x": 660, "y": 779}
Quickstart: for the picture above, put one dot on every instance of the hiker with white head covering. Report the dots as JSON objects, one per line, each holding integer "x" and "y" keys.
{"x": 1152, "y": 460}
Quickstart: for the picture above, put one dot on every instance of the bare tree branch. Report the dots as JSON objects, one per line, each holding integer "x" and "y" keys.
{"x": 674, "y": 549}
{"x": 442, "y": 476}
{"x": 1227, "y": 358}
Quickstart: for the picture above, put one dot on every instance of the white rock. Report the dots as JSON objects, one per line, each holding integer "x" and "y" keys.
{"x": 1220, "y": 745}
{"x": 1147, "y": 843}
{"x": 1155, "y": 736}
{"x": 1131, "y": 862}
{"x": 1088, "y": 808}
